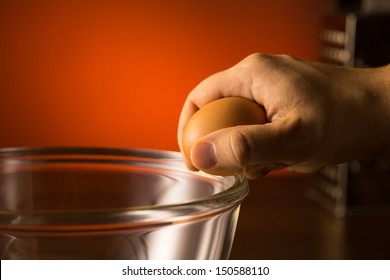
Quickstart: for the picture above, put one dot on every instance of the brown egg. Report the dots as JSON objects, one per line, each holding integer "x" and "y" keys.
{"x": 221, "y": 113}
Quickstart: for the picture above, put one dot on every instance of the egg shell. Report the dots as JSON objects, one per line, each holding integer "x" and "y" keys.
{"x": 218, "y": 114}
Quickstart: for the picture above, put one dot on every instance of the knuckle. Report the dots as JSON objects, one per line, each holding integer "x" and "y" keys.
{"x": 257, "y": 57}
{"x": 302, "y": 138}
{"x": 240, "y": 148}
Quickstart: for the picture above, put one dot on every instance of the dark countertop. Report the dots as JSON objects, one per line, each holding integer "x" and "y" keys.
{"x": 278, "y": 221}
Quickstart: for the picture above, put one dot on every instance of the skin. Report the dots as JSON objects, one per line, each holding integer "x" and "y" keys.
{"x": 317, "y": 115}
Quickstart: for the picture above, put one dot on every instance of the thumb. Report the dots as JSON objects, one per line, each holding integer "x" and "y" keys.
{"x": 232, "y": 149}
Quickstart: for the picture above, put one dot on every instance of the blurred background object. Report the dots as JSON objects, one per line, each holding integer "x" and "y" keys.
{"x": 356, "y": 34}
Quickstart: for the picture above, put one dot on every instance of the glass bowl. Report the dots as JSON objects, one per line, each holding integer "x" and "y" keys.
{"x": 103, "y": 203}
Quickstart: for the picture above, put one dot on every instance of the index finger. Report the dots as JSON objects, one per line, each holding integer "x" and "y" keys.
{"x": 222, "y": 84}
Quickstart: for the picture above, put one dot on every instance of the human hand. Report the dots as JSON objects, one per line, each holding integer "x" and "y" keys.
{"x": 317, "y": 115}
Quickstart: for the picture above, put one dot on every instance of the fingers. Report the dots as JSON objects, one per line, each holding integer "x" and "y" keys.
{"x": 250, "y": 148}
{"x": 231, "y": 82}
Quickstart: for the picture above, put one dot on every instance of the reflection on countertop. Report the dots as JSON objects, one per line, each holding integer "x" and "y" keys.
{"x": 278, "y": 221}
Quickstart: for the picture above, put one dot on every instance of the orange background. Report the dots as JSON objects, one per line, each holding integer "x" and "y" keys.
{"x": 116, "y": 73}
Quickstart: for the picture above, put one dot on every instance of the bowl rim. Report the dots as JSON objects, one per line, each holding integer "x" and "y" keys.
{"x": 125, "y": 217}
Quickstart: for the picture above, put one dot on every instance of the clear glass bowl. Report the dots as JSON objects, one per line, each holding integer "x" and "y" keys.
{"x": 101, "y": 203}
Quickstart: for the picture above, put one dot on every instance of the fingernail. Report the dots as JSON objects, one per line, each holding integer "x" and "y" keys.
{"x": 203, "y": 155}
